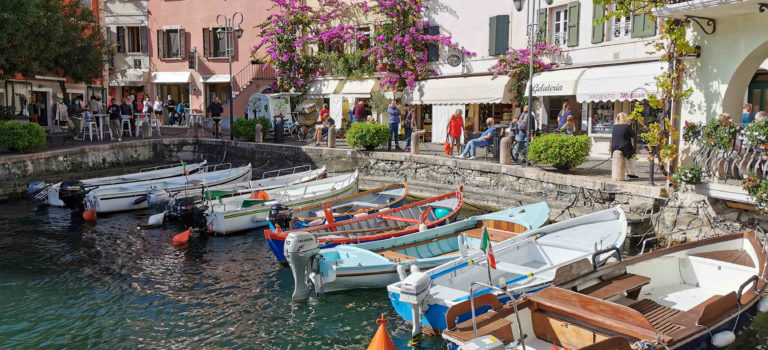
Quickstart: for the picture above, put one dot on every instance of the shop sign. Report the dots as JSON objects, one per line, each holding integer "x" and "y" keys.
{"x": 546, "y": 89}
{"x": 618, "y": 96}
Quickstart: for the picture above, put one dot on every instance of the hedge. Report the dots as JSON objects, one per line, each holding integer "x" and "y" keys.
{"x": 559, "y": 150}
{"x": 22, "y": 137}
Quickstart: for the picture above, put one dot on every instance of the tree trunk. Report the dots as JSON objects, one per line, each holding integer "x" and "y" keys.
{"x": 63, "y": 87}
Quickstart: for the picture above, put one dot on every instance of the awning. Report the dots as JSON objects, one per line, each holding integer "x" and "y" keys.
{"x": 557, "y": 82}
{"x": 214, "y": 79}
{"x": 480, "y": 89}
{"x": 323, "y": 88}
{"x": 358, "y": 88}
{"x": 170, "y": 77}
{"x": 625, "y": 82}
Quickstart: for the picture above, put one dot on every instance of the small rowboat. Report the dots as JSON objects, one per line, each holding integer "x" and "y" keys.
{"x": 524, "y": 263}
{"x": 389, "y": 223}
{"x": 390, "y": 196}
{"x": 375, "y": 264}
{"x": 123, "y": 197}
{"x": 250, "y": 210}
{"x": 44, "y": 193}
{"x": 695, "y": 295}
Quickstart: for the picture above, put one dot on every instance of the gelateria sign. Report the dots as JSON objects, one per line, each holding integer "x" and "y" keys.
{"x": 548, "y": 88}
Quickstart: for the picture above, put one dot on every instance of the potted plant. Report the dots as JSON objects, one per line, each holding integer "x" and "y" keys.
{"x": 367, "y": 135}
{"x": 561, "y": 151}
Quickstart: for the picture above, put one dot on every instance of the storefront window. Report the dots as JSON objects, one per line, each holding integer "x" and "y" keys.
{"x": 650, "y": 116}
{"x": 20, "y": 98}
{"x": 602, "y": 117}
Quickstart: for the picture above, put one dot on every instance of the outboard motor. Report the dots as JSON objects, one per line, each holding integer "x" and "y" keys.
{"x": 302, "y": 251}
{"x": 38, "y": 191}
{"x": 72, "y": 193}
{"x": 281, "y": 216}
{"x": 158, "y": 199}
{"x": 414, "y": 290}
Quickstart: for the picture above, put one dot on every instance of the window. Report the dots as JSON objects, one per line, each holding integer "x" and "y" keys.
{"x": 560, "y": 26}
{"x": 621, "y": 27}
{"x": 171, "y": 43}
{"x": 213, "y": 46}
{"x": 364, "y": 43}
{"x": 131, "y": 39}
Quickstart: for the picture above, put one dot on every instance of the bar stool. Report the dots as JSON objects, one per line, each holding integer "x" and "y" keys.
{"x": 91, "y": 126}
{"x": 154, "y": 123}
{"x": 125, "y": 125}
{"x": 106, "y": 126}
{"x": 141, "y": 119}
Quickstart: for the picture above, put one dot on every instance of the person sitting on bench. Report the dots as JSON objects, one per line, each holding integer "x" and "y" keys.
{"x": 483, "y": 141}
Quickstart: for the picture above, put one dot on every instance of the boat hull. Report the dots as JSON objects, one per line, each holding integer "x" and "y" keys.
{"x": 299, "y": 223}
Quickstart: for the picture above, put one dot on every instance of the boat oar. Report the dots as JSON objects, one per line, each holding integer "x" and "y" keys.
{"x": 89, "y": 215}
{"x": 181, "y": 238}
{"x": 382, "y": 341}
{"x": 156, "y": 219}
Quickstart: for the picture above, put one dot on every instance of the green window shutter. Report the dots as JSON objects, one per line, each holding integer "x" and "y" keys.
{"x": 643, "y": 26}
{"x": 598, "y": 30}
{"x": 542, "y": 32}
{"x": 121, "y": 39}
{"x": 573, "y": 24}
{"x": 498, "y": 35}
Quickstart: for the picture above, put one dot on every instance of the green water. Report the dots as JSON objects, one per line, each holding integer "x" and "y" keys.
{"x": 111, "y": 285}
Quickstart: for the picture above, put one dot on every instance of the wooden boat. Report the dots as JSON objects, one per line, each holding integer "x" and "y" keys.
{"x": 187, "y": 206}
{"x": 523, "y": 263}
{"x": 247, "y": 211}
{"x": 380, "y": 225}
{"x": 691, "y": 296}
{"x": 123, "y": 197}
{"x": 44, "y": 193}
{"x": 375, "y": 264}
{"x": 390, "y": 196}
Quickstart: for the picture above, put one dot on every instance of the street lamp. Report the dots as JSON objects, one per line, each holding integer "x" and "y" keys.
{"x": 531, "y": 19}
{"x": 225, "y": 28}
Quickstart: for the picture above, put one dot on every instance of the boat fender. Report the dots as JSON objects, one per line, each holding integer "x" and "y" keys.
{"x": 441, "y": 212}
{"x": 401, "y": 272}
{"x": 762, "y": 305}
{"x": 422, "y": 227}
{"x": 462, "y": 238}
{"x": 723, "y": 339}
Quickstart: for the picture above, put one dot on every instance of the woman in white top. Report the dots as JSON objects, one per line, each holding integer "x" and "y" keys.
{"x": 147, "y": 106}
{"x": 158, "y": 107}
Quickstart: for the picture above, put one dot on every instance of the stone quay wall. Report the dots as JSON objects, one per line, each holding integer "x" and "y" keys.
{"x": 486, "y": 185}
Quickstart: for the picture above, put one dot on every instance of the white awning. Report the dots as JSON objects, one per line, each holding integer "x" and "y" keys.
{"x": 480, "y": 89}
{"x": 557, "y": 82}
{"x": 624, "y": 82}
{"x": 214, "y": 79}
{"x": 358, "y": 88}
{"x": 323, "y": 88}
{"x": 170, "y": 77}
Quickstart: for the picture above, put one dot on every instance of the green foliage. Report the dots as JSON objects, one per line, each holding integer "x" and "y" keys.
{"x": 379, "y": 103}
{"x": 757, "y": 133}
{"x": 6, "y": 113}
{"x": 367, "y": 135}
{"x": 690, "y": 174}
{"x": 22, "y": 137}
{"x": 350, "y": 65}
{"x": 757, "y": 188}
{"x": 719, "y": 134}
{"x": 244, "y": 129}
{"x": 560, "y": 151}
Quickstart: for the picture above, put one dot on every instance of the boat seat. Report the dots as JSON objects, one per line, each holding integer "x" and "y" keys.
{"x": 488, "y": 323}
{"x": 496, "y": 235}
{"x": 514, "y": 268}
{"x": 658, "y": 315}
{"x": 628, "y": 282}
{"x": 395, "y": 256}
{"x": 733, "y": 256}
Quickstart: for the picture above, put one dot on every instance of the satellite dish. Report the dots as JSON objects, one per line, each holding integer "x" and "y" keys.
{"x": 454, "y": 60}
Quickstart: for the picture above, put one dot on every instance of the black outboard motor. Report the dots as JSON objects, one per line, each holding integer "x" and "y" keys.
{"x": 281, "y": 216}
{"x": 72, "y": 193}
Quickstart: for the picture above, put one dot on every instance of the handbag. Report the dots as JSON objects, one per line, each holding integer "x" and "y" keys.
{"x": 447, "y": 147}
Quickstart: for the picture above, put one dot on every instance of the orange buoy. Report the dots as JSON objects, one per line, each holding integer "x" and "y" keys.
{"x": 262, "y": 195}
{"x": 89, "y": 215}
{"x": 181, "y": 238}
{"x": 382, "y": 341}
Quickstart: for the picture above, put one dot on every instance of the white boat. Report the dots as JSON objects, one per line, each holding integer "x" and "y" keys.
{"x": 114, "y": 198}
{"x": 243, "y": 212}
{"x": 525, "y": 263}
{"x": 696, "y": 295}
{"x": 44, "y": 193}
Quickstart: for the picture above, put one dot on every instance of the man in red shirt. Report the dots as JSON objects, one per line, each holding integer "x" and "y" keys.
{"x": 360, "y": 112}
{"x": 321, "y": 119}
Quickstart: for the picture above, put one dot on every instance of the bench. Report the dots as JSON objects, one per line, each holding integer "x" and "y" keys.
{"x": 395, "y": 256}
{"x": 628, "y": 282}
{"x": 488, "y": 323}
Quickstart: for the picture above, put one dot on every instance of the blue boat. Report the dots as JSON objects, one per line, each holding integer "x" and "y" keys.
{"x": 524, "y": 263}
{"x": 390, "y": 196}
{"x": 375, "y": 264}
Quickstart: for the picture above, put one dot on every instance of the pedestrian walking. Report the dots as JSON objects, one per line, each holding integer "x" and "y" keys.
{"x": 360, "y": 111}
{"x": 180, "y": 115}
{"x": 394, "y": 125}
{"x": 622, "y": 135}
{"x": 76, "y": 112}
{"x": 214, "y": 111}
{"x": 158, "y": 108}
{"x": 409, "y": 122}
{"x": 62, "y": 117}
{"x": 455, "y": 130}
{"x": 114, "y": 118}
{"x": 170, "y": 106}
{"x": 483, "y": 141}
{"x": 523, "y": 120}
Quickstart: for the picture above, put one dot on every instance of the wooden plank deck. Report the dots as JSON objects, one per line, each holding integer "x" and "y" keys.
{"x": 733, "y": 256}
{"x": 495, "y": 234}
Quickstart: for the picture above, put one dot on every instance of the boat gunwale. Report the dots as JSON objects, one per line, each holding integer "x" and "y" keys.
{"x": 359, "y": 194}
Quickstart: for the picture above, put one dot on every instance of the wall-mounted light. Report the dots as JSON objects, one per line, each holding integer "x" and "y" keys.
{"x": 696, "y": 52}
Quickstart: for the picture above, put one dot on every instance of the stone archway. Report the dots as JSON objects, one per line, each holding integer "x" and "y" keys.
{"x": 733, "y": 98}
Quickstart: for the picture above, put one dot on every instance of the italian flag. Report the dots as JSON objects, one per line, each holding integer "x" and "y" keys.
{"x": 486, "y": 247}
{"x": 184, "y": 166}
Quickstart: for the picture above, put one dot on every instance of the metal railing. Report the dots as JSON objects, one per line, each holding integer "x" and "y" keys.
{"x": 250, "y": 72}
{"x": 286, "y": 171}
{"x": 503, "y": 290}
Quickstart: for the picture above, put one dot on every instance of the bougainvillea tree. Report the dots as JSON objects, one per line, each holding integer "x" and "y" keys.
{"x": 400, "y": 47}
{"x": 516, "y": 64}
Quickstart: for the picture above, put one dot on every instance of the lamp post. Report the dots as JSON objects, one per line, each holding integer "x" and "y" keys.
{"x": 224, "y": 32}
{"x": 532, "y": 9}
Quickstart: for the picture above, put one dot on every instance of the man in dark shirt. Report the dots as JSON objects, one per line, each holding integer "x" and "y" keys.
{"x": 126, "y": 111}
{"x": 114, "y": 117}
{"x": 214, "y": 111}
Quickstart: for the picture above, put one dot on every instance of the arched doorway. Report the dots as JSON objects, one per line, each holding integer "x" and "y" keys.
{"x": 738, "y": 85}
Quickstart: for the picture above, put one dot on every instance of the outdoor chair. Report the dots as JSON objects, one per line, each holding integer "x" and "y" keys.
{"x": 125, "y": 125}
{"x": 91, "y": 126}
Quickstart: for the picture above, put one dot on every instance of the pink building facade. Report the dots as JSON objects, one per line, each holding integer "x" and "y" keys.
{"x": 188, "y": 60}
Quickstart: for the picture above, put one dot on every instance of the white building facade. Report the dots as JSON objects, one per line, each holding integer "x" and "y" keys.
{"x": 127, "y": 34}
